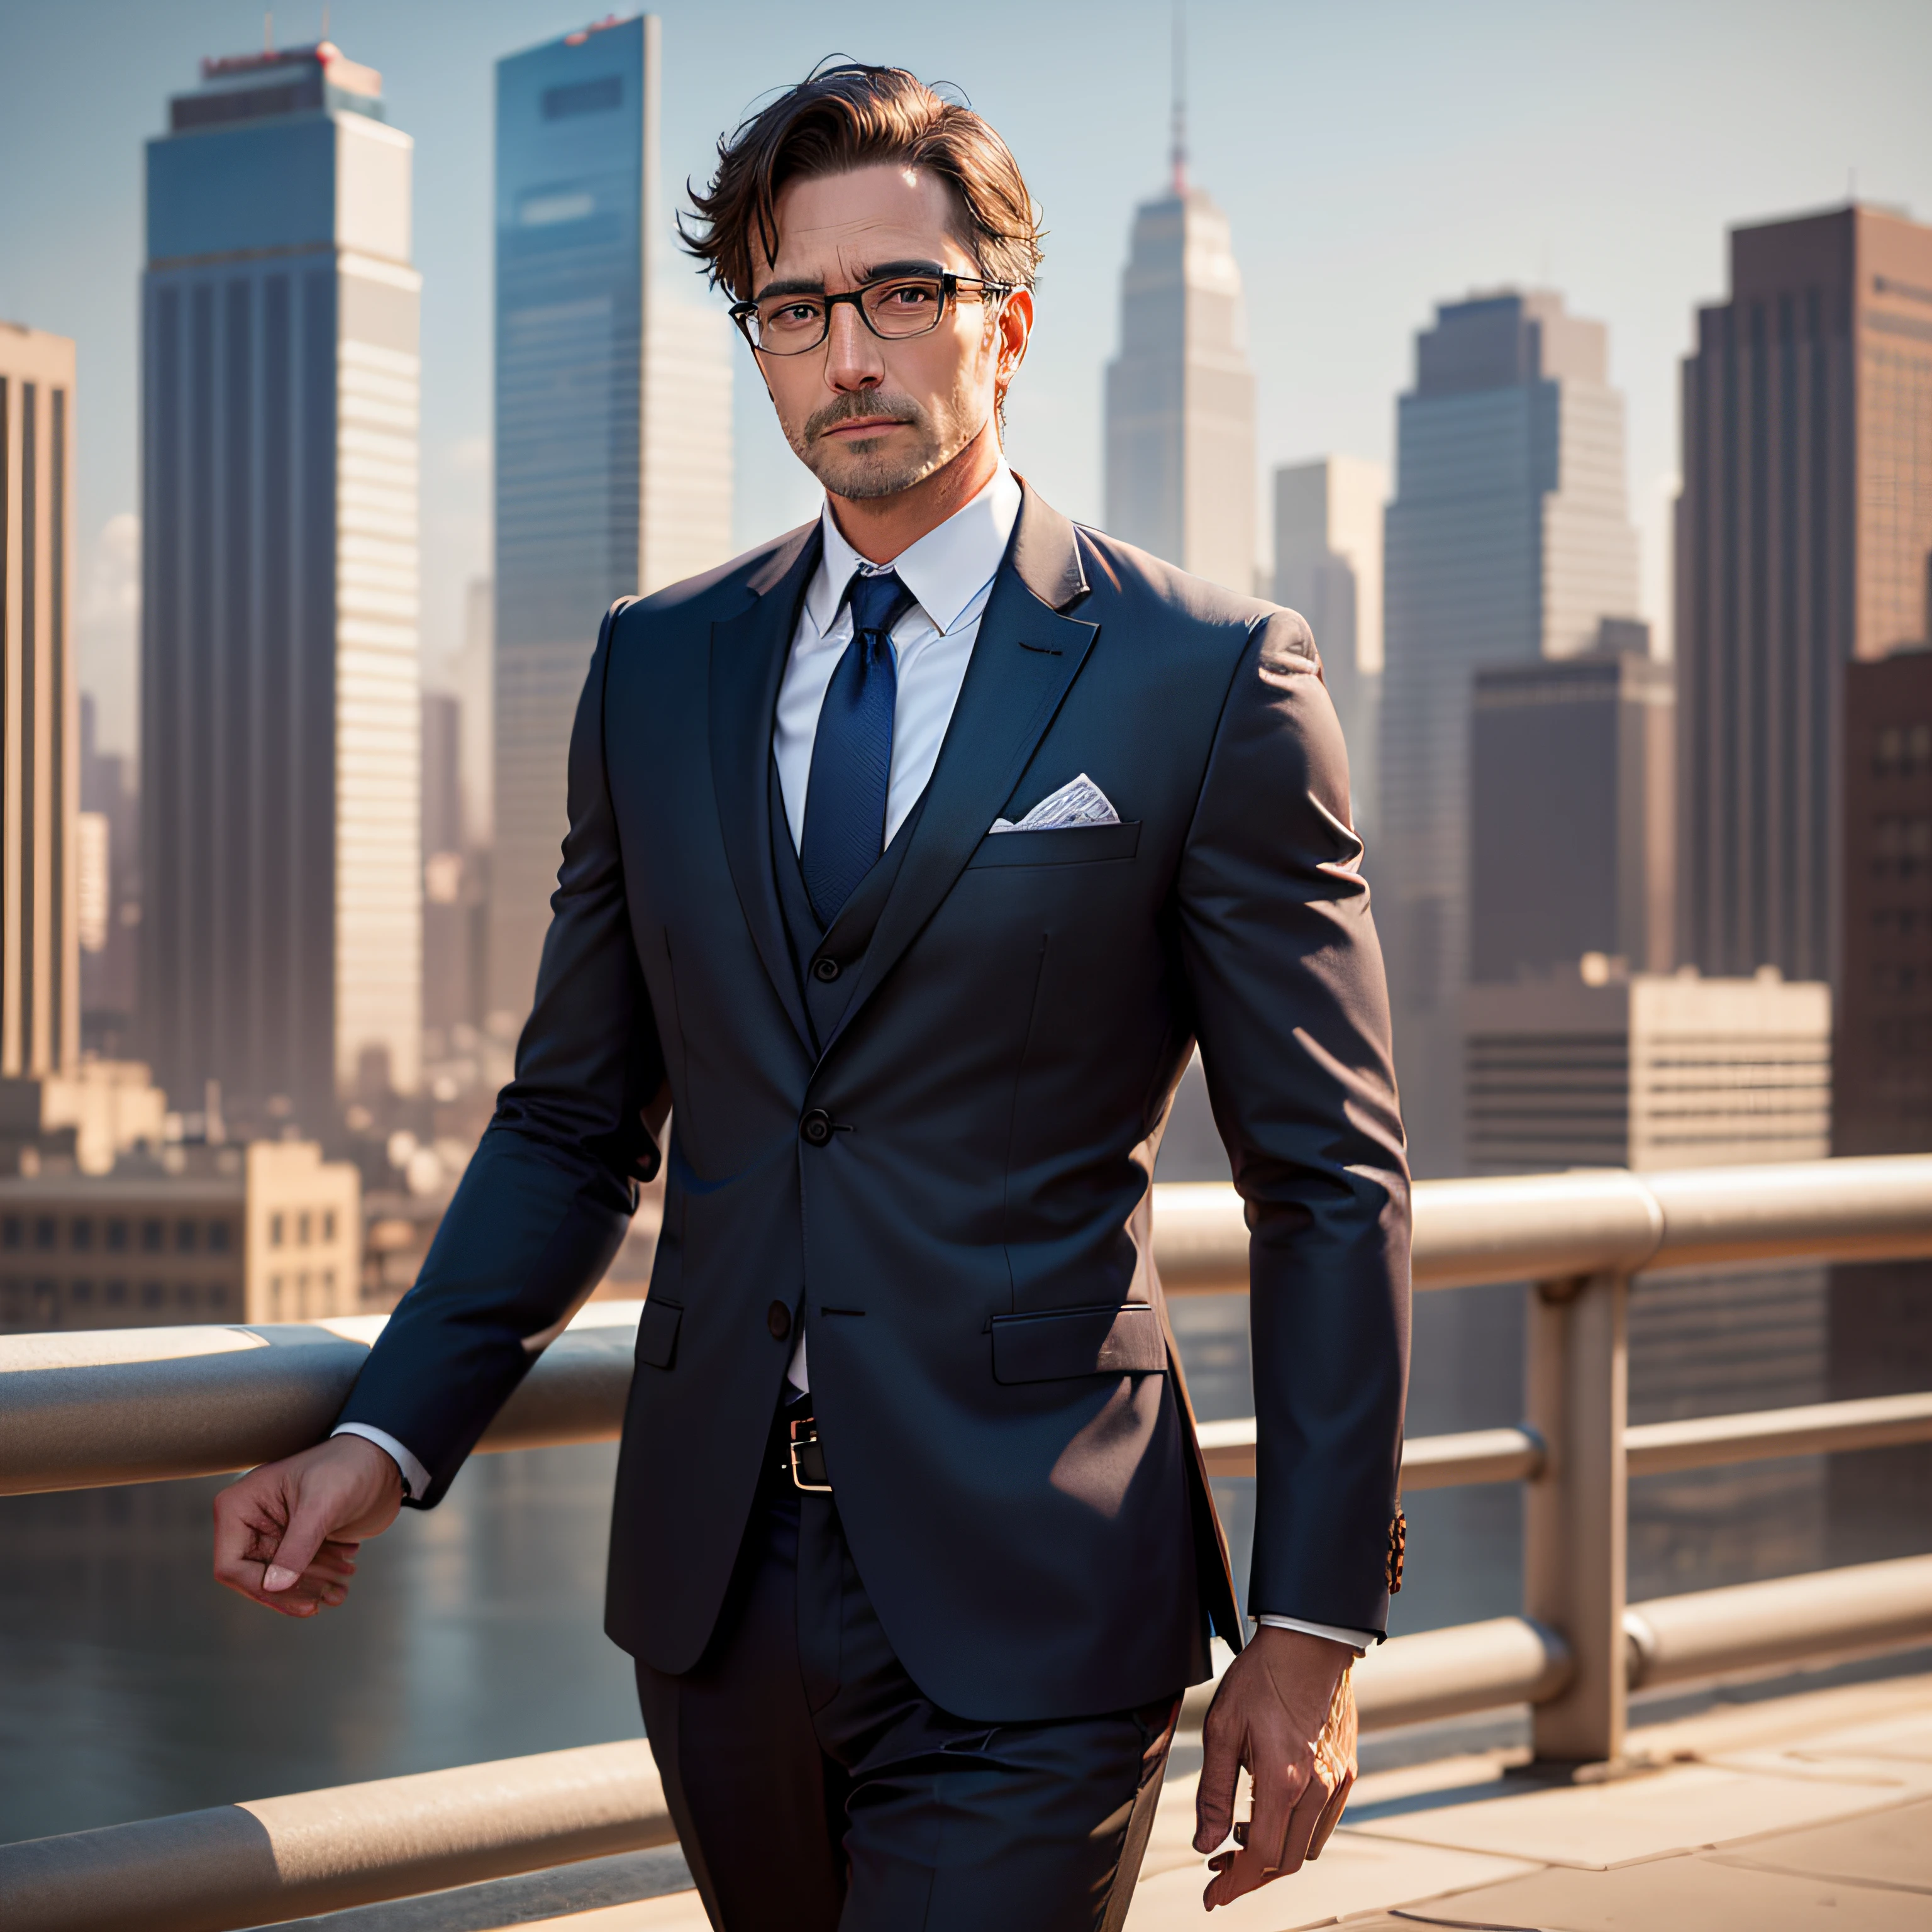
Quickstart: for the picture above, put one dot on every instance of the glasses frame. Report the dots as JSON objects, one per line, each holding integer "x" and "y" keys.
{"x": 745, "y": 314}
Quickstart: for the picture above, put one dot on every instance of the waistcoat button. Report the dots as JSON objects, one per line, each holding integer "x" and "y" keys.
{"x": 827, "y": 970}
{"x": 778, "y": 1319}
{"x": 816, "y": 1127}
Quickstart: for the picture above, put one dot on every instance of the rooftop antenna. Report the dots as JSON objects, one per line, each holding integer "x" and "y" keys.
{"x": 268, "y": 31}
{"x": 325, "y": 23}
{"x": 1179, "y": 148}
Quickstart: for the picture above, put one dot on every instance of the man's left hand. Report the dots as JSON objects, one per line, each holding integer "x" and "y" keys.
{"x": 1286, "y": 1711}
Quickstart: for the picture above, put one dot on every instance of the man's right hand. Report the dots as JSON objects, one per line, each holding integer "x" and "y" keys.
{"x": 286, "y": 1535}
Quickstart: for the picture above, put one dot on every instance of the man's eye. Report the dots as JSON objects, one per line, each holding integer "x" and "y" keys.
{"x": 792, "y": 315}
{"x": 909, "y": 295}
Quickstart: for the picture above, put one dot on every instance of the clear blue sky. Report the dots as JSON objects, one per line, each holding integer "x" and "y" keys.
{"x": 1374, "y": 159}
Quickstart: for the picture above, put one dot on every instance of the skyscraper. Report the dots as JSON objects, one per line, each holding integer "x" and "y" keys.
{"x": 613, "y": 428}
{"x": 279, "y": 730}
{"x": 1804, "y": 539}
{"x": 39, "y": 946}
{"x": 1509, "y": 540}
{"x": 1328, "y": 565}
{"x": 1180, "y": 397}
{"x": 1570, "y": 829}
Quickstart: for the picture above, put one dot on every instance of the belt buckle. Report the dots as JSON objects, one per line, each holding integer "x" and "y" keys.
{"x": 808, "y": 1459}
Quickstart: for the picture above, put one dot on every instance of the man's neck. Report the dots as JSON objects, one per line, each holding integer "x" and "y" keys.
{"x": 880, "y": 528}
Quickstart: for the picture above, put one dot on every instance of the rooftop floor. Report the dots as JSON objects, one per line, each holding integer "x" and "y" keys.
{"x": 1813, "y": 1810}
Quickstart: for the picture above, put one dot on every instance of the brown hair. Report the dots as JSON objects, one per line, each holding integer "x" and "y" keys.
{"x": 852, "y": 116}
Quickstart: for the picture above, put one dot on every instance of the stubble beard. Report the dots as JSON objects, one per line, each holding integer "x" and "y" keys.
{"x": 865, "y": 470}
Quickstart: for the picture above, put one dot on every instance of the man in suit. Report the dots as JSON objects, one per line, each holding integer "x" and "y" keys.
{"x": 909, "y": 856}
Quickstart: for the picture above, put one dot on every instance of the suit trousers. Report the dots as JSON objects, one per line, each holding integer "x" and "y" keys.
{"x": 815, "y": 1790}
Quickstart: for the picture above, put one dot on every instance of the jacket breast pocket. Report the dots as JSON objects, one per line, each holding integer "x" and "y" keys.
{"x": 657, "y": 1333}
{"x": 1064, "y": 1343}
{"x": 1065, "y": 845}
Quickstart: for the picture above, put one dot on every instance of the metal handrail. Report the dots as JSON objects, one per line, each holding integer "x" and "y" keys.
{"x": 82, "y": 1409}
{"x": 88, "y": 1408}
{"x": 277, "y": 1859}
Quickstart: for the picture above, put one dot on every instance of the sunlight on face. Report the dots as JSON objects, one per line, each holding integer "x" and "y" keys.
{"x": 870, "y": 417}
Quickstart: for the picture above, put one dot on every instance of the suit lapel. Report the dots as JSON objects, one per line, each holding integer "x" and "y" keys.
{"x": 1024, "y": 662}
{"x": 748, "y": 661}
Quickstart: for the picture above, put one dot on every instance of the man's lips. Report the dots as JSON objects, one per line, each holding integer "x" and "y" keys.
{"x": 864, "y": 426}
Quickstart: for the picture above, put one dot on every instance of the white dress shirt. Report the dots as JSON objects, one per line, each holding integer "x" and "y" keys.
{"x": 950, "y": 571}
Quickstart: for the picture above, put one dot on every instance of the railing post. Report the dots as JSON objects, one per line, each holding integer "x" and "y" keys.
{"x": 1576, "y": 1362}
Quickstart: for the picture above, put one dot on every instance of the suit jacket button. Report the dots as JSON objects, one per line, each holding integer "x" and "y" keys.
{"x": 778, "y": 1319}
{"x": 817, "y": 1127}
{"x": 827, "y": 970}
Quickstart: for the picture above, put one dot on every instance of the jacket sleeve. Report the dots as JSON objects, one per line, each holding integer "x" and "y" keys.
{"x": 543, "y": 1204}
{"x": 1291, "y": 1013}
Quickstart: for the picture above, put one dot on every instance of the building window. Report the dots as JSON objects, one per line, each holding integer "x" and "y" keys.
{"x": 186, "y": 1234}
{"x": 47, "y": 1231}
{"x": 116, "y": 1296}
{"x": 83, "y": 1293}
{"x": 184, "y": 1295}
{"x": 80, "y": 1234}
{"x": 217, "y": 1295}
{"x": 153, "y": 1237}
{"x": 304, "y": 1228}
{"x": 583, "y": 96}
{"x": 217, "y": 1238}
{"x": 328, "y": 1224}
{"x": 151, "y": 1295}
{"x": 11, "y": 1232}
{"x": 117, "y": 1237}
{"x": 275, "y": 1230}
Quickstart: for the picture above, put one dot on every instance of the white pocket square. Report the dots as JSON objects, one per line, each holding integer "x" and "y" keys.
{"x": 1079, "y": 802}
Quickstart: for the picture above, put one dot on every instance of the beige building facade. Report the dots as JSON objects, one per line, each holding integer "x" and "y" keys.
{"x": 1589, "y": 1069}
{"x": 39, "y": 946}
{"x": 267, "y": 1232}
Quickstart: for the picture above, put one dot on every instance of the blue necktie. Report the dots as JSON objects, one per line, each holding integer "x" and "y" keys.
{"x": 852, "y": 753}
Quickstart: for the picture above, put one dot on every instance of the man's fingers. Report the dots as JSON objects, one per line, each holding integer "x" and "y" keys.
{"x": 1304, "y": 1821}
{"x": 1331, "y": 1816}
{"x": 1214, "y": 1796}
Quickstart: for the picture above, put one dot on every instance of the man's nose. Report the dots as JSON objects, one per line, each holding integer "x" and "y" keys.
{"x": 852, "y": 357}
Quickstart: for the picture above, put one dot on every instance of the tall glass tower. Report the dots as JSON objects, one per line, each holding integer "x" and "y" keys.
{"x": 1509, "y": 541}
{"x": 613, "y": 429}
{"x": 282, "y": 928}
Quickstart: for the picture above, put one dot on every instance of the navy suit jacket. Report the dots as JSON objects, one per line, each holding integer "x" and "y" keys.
{"x": 939, "y": 1156}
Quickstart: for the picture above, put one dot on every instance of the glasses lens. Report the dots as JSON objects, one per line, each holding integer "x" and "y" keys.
{"x": 911, "y": 307}
{"x": 790, "y": 323}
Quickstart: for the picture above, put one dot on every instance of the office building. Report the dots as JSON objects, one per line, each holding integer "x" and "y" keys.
{"x": 1508, "y": 542}
{"x": 1591, "y": 1068}
{"x": 1882, "y": 1090}
{"x": 40, "y": 950}
{"x": 1181, "y": 396}
{"x": 1803, "y": 534}
{"x": 1881, "y": 1313}
{"x": 108, "y": 907}
{"x": 453, "y": 907}
{"x": 1328, "y": 565}
{"x": 282, "y": 916}
{"x": 269, "y": 1232}
{"x": 613, "y": 429}
{"x": 1571, "y": 764}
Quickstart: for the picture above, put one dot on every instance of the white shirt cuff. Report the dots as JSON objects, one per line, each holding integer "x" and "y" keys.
{"x": 416, "y": 1477}
{"x": 1358, "y": 1641}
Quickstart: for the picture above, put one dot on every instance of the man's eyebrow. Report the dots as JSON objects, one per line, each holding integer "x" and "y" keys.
{"x": 801, "y": 285}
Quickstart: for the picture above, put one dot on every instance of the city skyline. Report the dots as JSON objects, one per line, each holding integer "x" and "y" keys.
{"x": 1388, "y": 201}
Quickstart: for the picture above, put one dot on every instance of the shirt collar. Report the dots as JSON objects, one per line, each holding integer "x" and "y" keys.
{"x": 945, "y": 570}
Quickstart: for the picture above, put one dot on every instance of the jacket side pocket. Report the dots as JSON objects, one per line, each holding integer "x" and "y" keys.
{"x": 1064, "y": 1343}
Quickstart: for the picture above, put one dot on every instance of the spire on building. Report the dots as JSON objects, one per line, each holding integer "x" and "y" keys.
{"x": 1179, "y": 153}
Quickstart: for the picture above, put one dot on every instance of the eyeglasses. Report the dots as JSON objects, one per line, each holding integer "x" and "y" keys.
{"x": 893, "y": 309}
